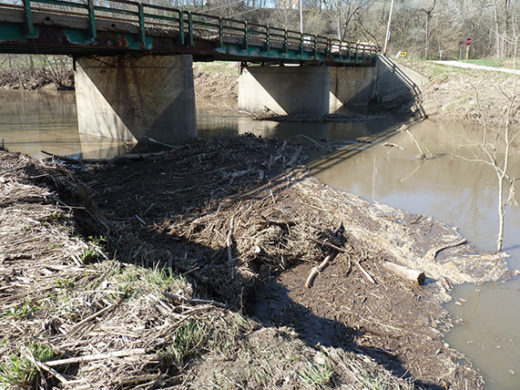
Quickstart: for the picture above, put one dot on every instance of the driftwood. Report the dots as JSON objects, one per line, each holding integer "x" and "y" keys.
{"x": 316, "y": 270}
{"x": 406, "y": 273}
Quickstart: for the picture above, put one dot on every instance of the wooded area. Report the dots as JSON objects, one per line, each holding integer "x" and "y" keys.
{"x": 420, "y": 27}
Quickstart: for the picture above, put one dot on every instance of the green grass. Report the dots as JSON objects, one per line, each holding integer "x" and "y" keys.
{"x": 495, "y": 62}
{"x": 317, "y": 374}
{"x": 18, "y": 370}
{"x": 217, "y": 67}
{"x": 23, "y": 311}
{"x": 187, "y": 339}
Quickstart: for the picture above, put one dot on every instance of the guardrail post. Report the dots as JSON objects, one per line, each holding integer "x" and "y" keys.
{"x": 267, "y": 38}
{"x": 285, "y": 40}
{"x": 142, "y": 31}
{"x": 220, "y": 32}
{"x": 181, "y": 27}
{"x": 301, "y": 45}
{"x": 315, "y": 48}
{"x": 92, "y": 20}
{"x": 190, "y": 28}
{"x": 29, "y": 25}
{"x": 246, "y": 35}
{"x": 357, "y": 53}
{"x": 328, "y": 48}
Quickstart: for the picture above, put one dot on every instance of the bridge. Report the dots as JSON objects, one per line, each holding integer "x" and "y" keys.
{"x": 133, "y": 63}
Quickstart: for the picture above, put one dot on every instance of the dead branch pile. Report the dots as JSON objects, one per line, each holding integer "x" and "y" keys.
{"x": 219, "y": 210}
{"x": 71, "y": 318}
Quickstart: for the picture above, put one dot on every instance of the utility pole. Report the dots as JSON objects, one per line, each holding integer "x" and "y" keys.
{"x": 301, "y": 16}
{"x": 388, "y": 27}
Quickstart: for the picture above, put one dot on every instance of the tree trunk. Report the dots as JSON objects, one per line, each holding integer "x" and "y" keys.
{"x": 500, "y": 238}
{"x": 497, "y": 34}
{"x": 426, "y": 36}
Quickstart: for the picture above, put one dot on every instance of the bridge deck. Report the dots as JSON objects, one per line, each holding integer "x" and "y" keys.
{"x": 75, "y": 28}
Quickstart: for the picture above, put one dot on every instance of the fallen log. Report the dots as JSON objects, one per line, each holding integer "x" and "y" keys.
{"x": 406, "y": 273}
{"x": 315, "y": 271}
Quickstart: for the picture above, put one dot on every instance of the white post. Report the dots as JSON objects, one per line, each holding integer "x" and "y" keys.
{"x": 388, "y": 27}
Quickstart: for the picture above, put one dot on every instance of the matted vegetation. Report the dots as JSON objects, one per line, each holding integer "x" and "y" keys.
{"x": 144, "y": 274}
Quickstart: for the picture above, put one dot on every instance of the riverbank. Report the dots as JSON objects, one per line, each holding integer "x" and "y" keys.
{"x": 470, "y": 95}
{"x": 215, "y": 83}
{"x": 86, "y": 260}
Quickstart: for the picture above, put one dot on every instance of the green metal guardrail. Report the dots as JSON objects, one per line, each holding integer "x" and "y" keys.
{"x": 193, "y": 25}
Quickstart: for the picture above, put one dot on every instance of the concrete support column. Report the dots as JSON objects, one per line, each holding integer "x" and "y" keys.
{"x": 284, "y": 90}
{"x": 128, "y": 97}
{"x": 352, "y": 86}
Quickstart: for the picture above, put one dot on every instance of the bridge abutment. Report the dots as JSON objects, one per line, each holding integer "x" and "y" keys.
{"x": 129, "y": 97}
{"x": 387, "y": 84}
{"x": 284, "y": 90}
{"x": 351, "y": 86}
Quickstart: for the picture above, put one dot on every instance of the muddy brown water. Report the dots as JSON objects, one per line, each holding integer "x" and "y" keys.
{"x": 459, "y": 192}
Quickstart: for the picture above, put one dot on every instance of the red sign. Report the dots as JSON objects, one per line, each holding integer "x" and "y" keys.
{"x": 469, "y": 41}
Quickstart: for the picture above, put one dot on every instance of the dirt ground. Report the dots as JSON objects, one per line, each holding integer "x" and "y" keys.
{"x": 86, "y": 253}
{"x": 466, "y": 94}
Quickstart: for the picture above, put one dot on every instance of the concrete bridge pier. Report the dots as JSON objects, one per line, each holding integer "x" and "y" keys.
{"x": 129, "y": 97}
{"x": 386, "y": 84}
{"x": 284, "y": 90}
{"x": 352, "y": 86}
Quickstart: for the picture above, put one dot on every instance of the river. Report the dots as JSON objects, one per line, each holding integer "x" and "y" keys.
{"x": 460, "y": 192}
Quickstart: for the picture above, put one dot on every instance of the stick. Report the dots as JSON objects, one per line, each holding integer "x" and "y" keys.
{"x": 457, "y": 243}
{"x": 100, "y": 356}
{"x": 295, "y": 156}
{"x": 406, "y": 273}
{"x": 91, "y": 317}
{"x": 229, "y": 239}
{"x": 416, "y": 143}
{"x": 310, "y": 139}
{"x": 332, "y": 246}
{"x": 367, "y": 275}
{"x": 315, "y": 271}
{"x": 45, "y": 367}
{"x": 195, "y": 301}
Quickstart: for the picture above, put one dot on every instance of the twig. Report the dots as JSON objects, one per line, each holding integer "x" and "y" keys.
{"x": 416, "y": 143}
{"x": 310, "y": 139}
{"x": 295, "y": 156}
{"x": 90, "y": 317}
{"x": 45, "y": 367}
{"x": 328, "y": 244}
{"x": 194, "y": 301}
{"x": 367, "y": 275}
{"x": 100, "y": 356}
{"x": 229, "y": 239}
{"x": 440, "y": 249}
{"x": 316, "y": 270}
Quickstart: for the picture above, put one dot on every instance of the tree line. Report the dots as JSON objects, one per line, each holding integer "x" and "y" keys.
{"x": 422, "y": 28}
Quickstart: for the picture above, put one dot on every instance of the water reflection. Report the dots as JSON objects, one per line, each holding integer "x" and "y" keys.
{"x": 464, "y": 194}
{"x": 46, "y": 120}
